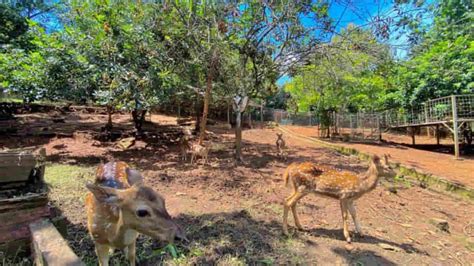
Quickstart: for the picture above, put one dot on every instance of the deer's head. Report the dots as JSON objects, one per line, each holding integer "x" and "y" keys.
{"x": 142, "y": 209}
{"x": 383, "y": 165}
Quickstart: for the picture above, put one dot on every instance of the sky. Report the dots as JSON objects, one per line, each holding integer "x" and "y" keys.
{"x": 360, "y": 12}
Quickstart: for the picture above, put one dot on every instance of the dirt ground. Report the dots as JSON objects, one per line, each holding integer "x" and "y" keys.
{"x": 232, "y": 214}
{"x": 438, "y": 164}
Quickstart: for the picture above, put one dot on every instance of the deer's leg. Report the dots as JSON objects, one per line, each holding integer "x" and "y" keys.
{"x": 345, "y": 217}
{"x": 295, "y": 200}
{"x": 192, "y": 158}
{"x": 130, "y": 253}
{"x": 353, "y": 213}
{"x": 290, "y": 203}
{"x": 102, "y": 254}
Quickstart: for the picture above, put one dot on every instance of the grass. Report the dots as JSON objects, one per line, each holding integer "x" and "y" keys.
{"x": 67, "y": 182}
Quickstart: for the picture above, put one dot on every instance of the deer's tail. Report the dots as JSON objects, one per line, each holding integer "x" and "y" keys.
{"x": 286, "y": 176}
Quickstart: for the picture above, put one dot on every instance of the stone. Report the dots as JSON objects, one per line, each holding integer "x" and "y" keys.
{"x": 49, "y": 247}
{"x": 389, "y": 247}
{"x": 441, "y": 224}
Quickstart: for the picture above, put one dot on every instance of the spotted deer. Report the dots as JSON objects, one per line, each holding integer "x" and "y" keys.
{"x": 281, "y": 146}
{"x": 119, "y": 207}
{"x": 184, "y": 146}
{"x": 199, "y": 150}
{"x": 307, "y": 178}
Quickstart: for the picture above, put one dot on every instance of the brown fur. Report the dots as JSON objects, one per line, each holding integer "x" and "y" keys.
{"x": 344, "y": 186}
{"x": 113, "y": 207}
{"x": 184, "y": 146}
{"x": 199, "y": 150}
{"x": 281, "y": 146}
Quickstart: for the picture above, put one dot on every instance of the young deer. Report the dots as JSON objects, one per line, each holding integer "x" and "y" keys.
{"x": 199, "y": 150}
{"x": 344, "y": 186}
{"x": 281, "y": 145}
{"x": 119, "y": 207}
{"x": 184, "y": 146}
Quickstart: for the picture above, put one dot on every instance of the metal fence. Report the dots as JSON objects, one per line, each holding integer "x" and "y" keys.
{"x": 286, "y": 118}
{"x": 441, "y": 110}
{"x": 356, "y": 126}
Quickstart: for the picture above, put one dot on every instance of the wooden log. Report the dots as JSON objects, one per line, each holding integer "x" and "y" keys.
{"x": 16, "y": 166}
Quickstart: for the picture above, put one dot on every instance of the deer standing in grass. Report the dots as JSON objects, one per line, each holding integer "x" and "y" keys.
{"x": 199, "y": 150}
{"x": 119, "y": 207}
{"x": 344, "y": 186}
{"x": 281, "y": 146}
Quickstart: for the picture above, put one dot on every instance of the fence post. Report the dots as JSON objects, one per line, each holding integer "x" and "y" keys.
{"x": 261, "y": 113}
{"x": 455, "y": 126}
{"x": 310, "y": 118}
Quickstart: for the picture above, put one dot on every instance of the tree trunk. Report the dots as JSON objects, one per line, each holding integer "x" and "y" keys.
{"x": 108, "y": 126}
{"x": 238, "y": 137}
{"x": 197, "y": 110}
{"x": 239, "y": 104}
{"x": 138, "y": 120}
{"x": 228, "y": 113}
{"x": 207, "y": 96}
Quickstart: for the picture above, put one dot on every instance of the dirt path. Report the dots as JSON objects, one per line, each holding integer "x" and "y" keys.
{"x": 232, "y": 214}
{"x": 442, "y": 165}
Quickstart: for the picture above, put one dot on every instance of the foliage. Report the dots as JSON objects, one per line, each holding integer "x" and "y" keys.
{"x": 347, "y": 75}
{"x": 13, "y": 28}
{"x": 443, "y": 64}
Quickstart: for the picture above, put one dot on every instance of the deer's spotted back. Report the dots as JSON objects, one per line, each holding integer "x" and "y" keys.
{"x": 112, "y": 174}
{"x": 323, "y": 178}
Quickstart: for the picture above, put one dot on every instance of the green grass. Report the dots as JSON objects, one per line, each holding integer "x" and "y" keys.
{"x": 67, "y": 182}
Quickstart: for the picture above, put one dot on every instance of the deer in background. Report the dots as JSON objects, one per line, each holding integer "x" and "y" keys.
{"x": 119, "y": 207}
{"x": 184, "y": 146}
{"x": 344, "y": 186}
{"x": 200, "y": 150}
{"x": 281, "y": 146}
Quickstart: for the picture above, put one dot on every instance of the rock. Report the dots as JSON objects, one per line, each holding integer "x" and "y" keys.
{"x": 180, "y": 193}
{"x": 389, "y": 247}
{"x": 441, "y": 224}
{"x": 406, "y": 225}
{"x": 392, "y": 190}
{"x": 126, "y": 143}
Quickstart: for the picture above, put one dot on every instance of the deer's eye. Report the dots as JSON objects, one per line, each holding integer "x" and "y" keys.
{"x": 143, "y": 213}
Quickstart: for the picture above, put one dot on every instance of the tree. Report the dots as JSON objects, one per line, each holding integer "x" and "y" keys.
{"x": 13, "y": 28}
{"x": 348, "y": 75}
{"x": 442, "y": 64}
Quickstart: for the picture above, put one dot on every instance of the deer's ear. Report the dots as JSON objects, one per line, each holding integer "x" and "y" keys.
{"x": 134, "y": 177}
{"x": 105, "y": 194}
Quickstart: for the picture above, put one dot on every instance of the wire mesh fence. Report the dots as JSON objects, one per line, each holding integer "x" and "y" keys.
{"x": 434, "y": 111}
{"x": 357, "y": 126}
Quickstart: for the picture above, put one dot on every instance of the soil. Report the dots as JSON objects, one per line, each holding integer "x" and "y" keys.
{"x": 232, "y": 213}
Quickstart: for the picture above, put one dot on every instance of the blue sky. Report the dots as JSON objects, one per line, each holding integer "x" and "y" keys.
{"x": 360, "y": 12}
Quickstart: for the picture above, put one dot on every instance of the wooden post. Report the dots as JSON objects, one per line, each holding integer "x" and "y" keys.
{"x": 455, "y": 126}
{"x": 412, "y": 136}
{"x": 379, "y": 128}
{"x": 261, "y": 113}
{"x": 437, "y": 134}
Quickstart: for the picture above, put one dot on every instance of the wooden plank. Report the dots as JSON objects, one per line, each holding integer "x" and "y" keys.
{"x": 16, "y": 167}
{"x": 18, "y": 247}
{"x": 12, "y": 206}
{"x": 14, "y": 232}
{"x": 20, "y": 216}
{"x": 25, "y": 198}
